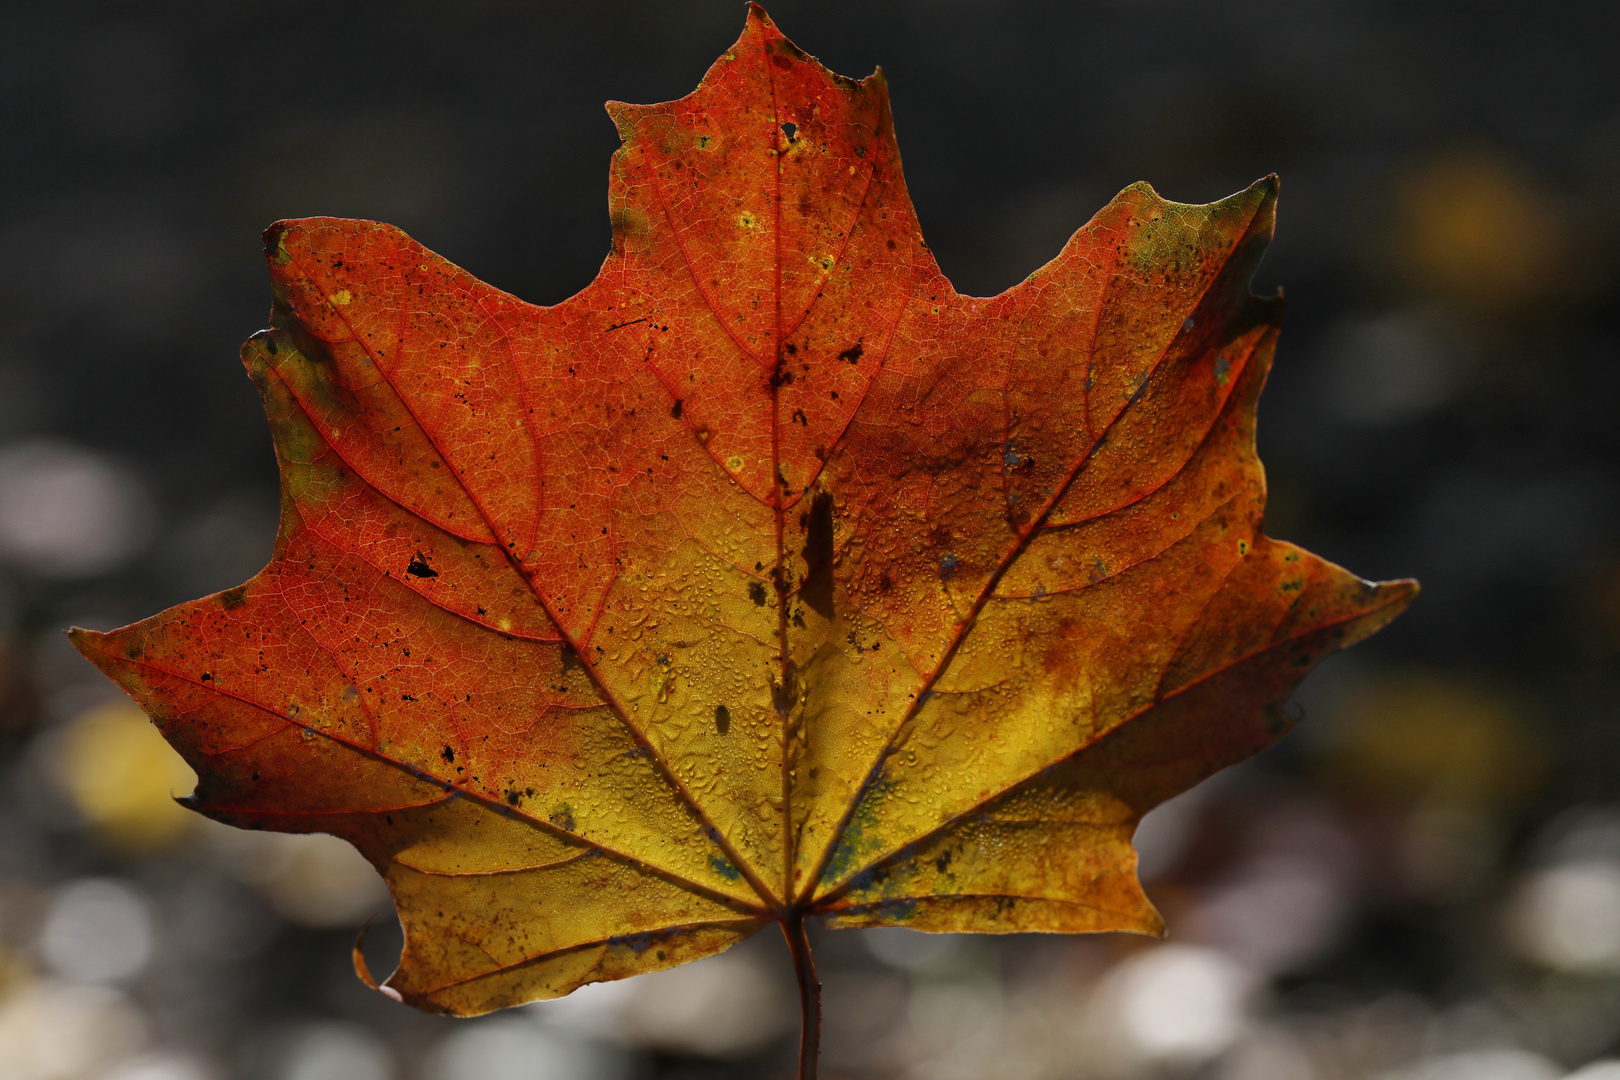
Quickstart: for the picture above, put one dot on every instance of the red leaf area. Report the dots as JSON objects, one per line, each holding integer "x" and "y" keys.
{"x": 767, "y": 577}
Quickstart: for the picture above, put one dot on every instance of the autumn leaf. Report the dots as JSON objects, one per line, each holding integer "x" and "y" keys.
{"x": 767, "y": 578}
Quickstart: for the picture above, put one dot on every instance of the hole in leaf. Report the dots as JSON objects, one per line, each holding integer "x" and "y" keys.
{"x": 790, "y": 129}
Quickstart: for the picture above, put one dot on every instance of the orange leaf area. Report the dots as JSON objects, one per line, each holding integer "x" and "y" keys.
{"x": 766, "y": 578}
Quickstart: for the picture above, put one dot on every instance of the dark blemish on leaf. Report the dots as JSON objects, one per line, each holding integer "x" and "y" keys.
{"x": 891, "y": 243}
{"x": 481, "y": 611}
{"x": 886, "y": 583}
{"x": 943, "y": 863}
{"x": 206, "y": 677}
{"x": 722, "y": 719}
{"x": 817, "y": 590}
{"x": 233, "y": 598}
{"x": 784, "y": 693}
{"x": 448, "y": 754}
{"x": 853, "y": 353}
{"x": 756, "y": 593}
{"x": 513, "y": 798}
{"x": 570, "y": 658}
{"x": 1013, "y": 458}
{"x": 947, "y": 567}
{"x": 563, "y": 818}
{"x": 792, "y": 349}
{"x": 781, "y": 61}
{"x": 791, "y": 130}
{"x": 799, "y": 418}
{"x": 270, "y": 344}
{"x": 660, "y": 954}
{"x": 1222, "y": 367}
{"x": 420, "y": 568}
{"x": 675, "y": 410}
{"x": 722, "y": 866}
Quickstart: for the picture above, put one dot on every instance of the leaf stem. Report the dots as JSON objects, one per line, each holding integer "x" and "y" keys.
{"x": 804, "y": 968}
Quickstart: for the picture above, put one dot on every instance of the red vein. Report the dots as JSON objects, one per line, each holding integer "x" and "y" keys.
{"x": 882, "y": 359}
{"x": 434, "y": 601}
{"x": 900, "y": 849}
{"x": 400, "y": 809}
{"x": 965, "y": 624}
{"x": 528, "y": 423}
{"x": 547, "y": 954}
{"x": 337, "y": 451}
{"x": 1057, "y": 901}
{"x": 417, "y": 773}
{"x": 697, "y": 282}
{"x": 854, "y": 222}
{"x": 785, "y": 709}
{"x": 680, "y": 788}
{"x": 1219, "y": 418}
{"x": 1192, "y": 527}
{"x": 706, "y": 447}
{"x": 505, "y": 871}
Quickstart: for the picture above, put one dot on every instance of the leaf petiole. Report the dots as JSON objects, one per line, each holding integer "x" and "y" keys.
{"x": 804, "y": 970}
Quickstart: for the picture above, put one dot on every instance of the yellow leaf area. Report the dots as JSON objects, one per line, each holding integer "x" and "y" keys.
{"x": 766, "y": 578}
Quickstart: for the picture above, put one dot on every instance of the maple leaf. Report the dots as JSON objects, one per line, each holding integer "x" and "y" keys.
{"x": 766, "y": 578}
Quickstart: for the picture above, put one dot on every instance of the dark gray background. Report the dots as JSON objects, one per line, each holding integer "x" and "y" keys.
{"x": 1446, "y": 400}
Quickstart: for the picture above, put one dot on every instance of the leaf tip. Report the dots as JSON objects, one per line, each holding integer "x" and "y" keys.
{"x": 275, "y": 243}
{"x": 363, "y": 970}
{"x": 1401, "y": 592}
{"x": 1267, "y": 188}
{"x": 1383, "y": 602}
{"x": 84, "y": 640}
{"x": 624, "y": 115}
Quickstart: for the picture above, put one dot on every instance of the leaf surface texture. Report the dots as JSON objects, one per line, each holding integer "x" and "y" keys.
{"x": 768, "y": 576}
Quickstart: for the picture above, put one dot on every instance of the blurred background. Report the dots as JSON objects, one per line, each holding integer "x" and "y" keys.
{"x": 1421, "y": 883}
